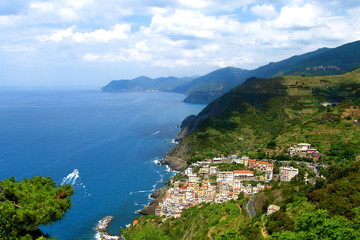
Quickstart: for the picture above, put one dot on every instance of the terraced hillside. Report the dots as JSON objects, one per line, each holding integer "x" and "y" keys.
{"x": 322, "y": 110}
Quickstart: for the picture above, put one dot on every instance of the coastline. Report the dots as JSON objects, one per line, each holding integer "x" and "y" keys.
{"x": 174, "y": 164}
{"x": 156, "y": 197}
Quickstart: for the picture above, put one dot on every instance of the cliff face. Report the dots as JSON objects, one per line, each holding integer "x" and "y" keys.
{"x": 175, "y": 163}
{"x": 157, "y": 196}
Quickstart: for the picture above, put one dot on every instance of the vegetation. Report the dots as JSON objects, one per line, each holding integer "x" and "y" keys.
{"x": 264, "y": 117}
{"x": 329, "y": 209}
{"x": 206, "y": 221}
{"x": 27, "y": 204}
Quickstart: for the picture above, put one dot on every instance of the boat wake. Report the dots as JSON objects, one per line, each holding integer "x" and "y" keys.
{"x": 71, "y": 178}
{"x": 74, "y": 179}
{"x": 157, "y": 132}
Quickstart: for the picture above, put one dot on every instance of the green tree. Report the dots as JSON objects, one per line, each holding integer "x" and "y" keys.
{"x": 319, "y": 226}
{"x": 25, "y": 205}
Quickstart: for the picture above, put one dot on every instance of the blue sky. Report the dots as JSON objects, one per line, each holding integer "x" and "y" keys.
{"x": 90, "y": 42}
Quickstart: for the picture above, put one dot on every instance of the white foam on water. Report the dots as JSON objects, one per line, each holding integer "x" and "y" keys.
{"x": 98, "y": 236}
{"x": 141, "y": 191}
{"x": 74, "y": 179}
{"x": 168, "y": 169}
{"x": 157, "y": 132}
{"x": 157, "y": 161}
{"x": 71, "y": 178}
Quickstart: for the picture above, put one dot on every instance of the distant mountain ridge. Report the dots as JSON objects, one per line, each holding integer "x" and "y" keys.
{"x": 144, "y": 83}
{"x": 205, "y": 89}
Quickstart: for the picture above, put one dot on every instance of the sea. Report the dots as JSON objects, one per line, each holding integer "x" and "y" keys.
{"x": 107, "y": 145}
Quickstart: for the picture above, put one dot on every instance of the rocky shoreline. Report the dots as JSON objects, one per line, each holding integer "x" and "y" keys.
{"x": 175, "y": 163}
{"x": 157, "y": 196}
{"x": 101, "y": 229}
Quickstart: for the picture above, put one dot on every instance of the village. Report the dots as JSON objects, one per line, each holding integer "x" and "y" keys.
{"x": 222, "y": 179}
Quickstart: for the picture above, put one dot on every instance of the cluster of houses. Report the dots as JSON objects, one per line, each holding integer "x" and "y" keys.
{"x": 203, "y": 182}
{"x": 304, "y": 150}
{"x": 321, "y": 67}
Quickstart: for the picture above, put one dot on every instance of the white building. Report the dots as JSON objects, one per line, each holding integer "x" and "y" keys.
{"x": 225, "y": 176}
{"x": 243, "y": 174}
{"x": 193, "y": 178}
{"x": 287, "y": 173}
{"x": 213, "y": 170}
{"x": 188, "y": 171}
{"x": 272, "y": 208}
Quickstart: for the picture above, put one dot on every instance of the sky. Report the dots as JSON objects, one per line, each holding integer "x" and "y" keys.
{"x": 91, "y": 42}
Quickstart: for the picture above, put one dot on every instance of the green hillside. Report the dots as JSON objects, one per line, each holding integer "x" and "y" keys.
{"x": 326, "y": 210}
{"x": 262, "y": 118}
{"x": 211, "y": 86}
{"x": 205, "y": 89}
{"x": 324, "y": 61}
{"x": 282, "y": 111}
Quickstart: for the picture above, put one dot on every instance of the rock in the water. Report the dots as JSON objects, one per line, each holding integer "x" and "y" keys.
{"x": 102, "y": 227}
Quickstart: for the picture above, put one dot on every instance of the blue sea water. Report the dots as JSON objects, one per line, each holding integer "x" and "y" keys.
{"x": 112, "y": 139}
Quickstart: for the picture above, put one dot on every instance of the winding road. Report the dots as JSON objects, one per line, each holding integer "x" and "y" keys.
{"x": 250, "y": 207}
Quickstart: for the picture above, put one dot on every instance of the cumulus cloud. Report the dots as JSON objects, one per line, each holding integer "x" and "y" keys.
{"x": 181, "y": 34}
{"x": 264, "y": 11}
{"x": 192, "y": 23}
{"x": 118, "y": 32}
{"x": 230, "y": 62}
{"x": 298, "y": 16}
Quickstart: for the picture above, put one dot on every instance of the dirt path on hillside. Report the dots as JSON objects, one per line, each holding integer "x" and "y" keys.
{"x": 263, "y": 228}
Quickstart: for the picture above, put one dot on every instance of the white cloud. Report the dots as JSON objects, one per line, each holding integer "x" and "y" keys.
{"x": 4, "y": 20}
{"x": 230, "y": 62}
{"x": 91, "y": 57}
{"x": 307, "y": 15}
{"x": 118, "y": 32}
{"x": 192, "y": 24}
{"x": 124, "y": 55}
{"x": 182, "y": 34}
{"x": 169, "y": 63}
{"x": 264, "y": 11}
{"x": 42, "y": 6}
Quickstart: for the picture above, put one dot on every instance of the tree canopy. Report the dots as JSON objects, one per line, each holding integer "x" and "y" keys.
{"x": 26, "y": 204}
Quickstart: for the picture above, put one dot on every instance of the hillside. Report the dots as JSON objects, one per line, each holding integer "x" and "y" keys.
{"x": 205, "y": 89}
{"x": 324, "y": 61}
{"x": 281, "y": 110}
{"x": 145, "y": 84}
{"x": 262, "y": 118}
{"x": 328, "y": 209}
{"x": 211, "y": 86}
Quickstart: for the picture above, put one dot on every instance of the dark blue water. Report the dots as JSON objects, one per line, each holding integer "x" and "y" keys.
{"x": 112, "y": 139}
